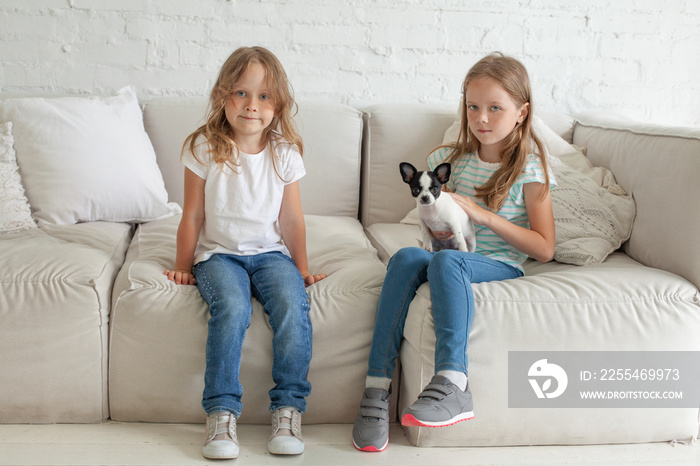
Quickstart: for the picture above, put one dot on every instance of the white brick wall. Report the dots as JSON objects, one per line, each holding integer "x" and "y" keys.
{"x": 640, "y": 58}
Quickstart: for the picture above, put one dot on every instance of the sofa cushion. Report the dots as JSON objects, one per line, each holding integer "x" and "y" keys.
{"x": 15, "y": 214}
{"x": 159, "y": 330}
{"x": 388, "y": 238}
{"x": 396, "y": 133}
{"x": 659, "y": 166}
{"x": 55, "y": 291}
{"x": 86, "y": 159}
{"x": 619, "y": 305}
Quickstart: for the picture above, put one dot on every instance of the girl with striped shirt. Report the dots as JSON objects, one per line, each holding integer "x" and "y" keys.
{"x": 501, "y": 180}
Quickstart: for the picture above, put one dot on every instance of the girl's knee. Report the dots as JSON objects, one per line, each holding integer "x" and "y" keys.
{"x": 289, "y": 304}
{"x": 446, "y": 262}
{"x": 292, "y": 322}
{"x": 445, "y": 257}
{"x": 410, "y": 258}
{"x": 232, "y": 308}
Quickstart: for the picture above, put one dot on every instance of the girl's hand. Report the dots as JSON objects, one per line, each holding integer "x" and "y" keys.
{"x": 311, "y": 279}
{"x": 180, "y": 277}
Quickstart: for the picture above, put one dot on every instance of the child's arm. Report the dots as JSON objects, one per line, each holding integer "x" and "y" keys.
{"x": 294, "y": 231}
{"x": 537, "y": 241}
{"x": 188, "y": 231}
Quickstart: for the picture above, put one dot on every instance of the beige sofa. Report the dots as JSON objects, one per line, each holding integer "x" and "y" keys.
{"x": 91, "y": 329}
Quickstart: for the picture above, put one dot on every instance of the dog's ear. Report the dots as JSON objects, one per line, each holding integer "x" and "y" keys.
{"x": 408, "y": 171}
{"x": 443, "y": 172}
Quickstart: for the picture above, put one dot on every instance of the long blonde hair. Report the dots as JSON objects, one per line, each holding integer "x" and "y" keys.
{"x": 217, "y": 132}
{"x": 513, "y": 77}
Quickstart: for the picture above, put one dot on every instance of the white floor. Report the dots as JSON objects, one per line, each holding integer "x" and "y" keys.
{"x": 179, "y": 444}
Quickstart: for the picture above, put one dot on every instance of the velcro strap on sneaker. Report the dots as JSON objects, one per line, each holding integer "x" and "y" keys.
{"x": 372, "y": 407}
{"x": 435, "y": 391}
{"x": 374, "y": 403}
{"x": 378, "y": 413}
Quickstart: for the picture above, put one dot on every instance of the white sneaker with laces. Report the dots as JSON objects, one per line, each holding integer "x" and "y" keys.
{"x": 286, "y": 436}
{"x": 221, "y": 441}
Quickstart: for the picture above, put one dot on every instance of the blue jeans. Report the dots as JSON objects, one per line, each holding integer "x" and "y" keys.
{"x": 451, "y": 274}
{"x": 227, "y": 283}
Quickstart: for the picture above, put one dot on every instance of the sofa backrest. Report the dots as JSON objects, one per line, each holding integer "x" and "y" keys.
{"x": 168, "y": 121}
{"x": 660, "y": 166}
{"x": 396, "y": 133}
{"x": 332, "y": 135}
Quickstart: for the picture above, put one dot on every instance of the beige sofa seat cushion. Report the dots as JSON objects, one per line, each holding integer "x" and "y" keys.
{"x": 390, "y": 237}
{"x": 55, "y": 291}
{"x": 618, "y": 305}
{"x": 159, "y": 330}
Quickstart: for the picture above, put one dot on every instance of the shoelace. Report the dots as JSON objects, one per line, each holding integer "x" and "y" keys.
{"x": 289, "y": 420}
{"x": 222, "y": 424}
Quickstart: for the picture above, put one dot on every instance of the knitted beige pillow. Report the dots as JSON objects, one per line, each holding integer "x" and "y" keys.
{"x": 15, "y": 213}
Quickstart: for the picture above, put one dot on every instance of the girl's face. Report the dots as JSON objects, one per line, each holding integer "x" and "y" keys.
{"x": 492, "y": 115}
{"x": 250, "y": 109}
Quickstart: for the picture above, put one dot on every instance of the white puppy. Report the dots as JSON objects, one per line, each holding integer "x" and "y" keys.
{"x": 436, "y": 212}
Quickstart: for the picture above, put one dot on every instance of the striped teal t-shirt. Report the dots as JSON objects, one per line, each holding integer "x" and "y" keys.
{"x": 469, "y": 171}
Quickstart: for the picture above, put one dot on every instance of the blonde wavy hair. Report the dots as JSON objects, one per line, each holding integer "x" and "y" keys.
{"x": 522, "y": 141}
{"x": 217, "y": 132}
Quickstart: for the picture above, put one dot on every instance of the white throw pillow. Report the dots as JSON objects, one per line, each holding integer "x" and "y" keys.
{"x": 86, "y": 159}
{"x": 593, "y": 215}
{"x": 15, "y": 213}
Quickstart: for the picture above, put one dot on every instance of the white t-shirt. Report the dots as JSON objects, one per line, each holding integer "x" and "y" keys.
{"x": 242, "y": 209}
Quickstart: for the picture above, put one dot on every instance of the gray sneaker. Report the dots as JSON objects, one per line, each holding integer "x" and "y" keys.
{"x": 221, "y": 442}
{"x": 441, "y": 404}
{"x": 286, "y": 436}
{"x": 371, "y": 429}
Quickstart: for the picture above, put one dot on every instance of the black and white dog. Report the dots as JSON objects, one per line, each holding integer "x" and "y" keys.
{"x": 437, "y": 212}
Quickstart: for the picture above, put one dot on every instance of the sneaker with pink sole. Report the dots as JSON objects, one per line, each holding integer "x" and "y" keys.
{"x": 441, "y": 404}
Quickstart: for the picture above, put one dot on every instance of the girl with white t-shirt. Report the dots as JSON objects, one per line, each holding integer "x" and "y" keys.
{"x": 242, "y": 235}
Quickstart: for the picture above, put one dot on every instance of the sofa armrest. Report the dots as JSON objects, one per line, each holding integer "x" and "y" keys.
{"x": 659, "y": 166}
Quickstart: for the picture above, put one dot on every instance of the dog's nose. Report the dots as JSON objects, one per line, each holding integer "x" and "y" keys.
{"x": 424, "y": 199}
